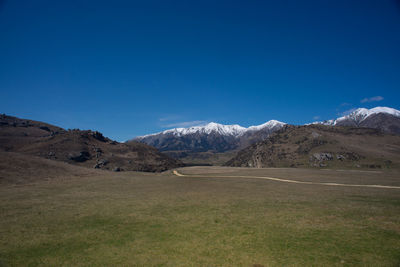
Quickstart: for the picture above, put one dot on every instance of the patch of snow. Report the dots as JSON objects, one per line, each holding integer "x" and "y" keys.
{"x": 327, "y": 122}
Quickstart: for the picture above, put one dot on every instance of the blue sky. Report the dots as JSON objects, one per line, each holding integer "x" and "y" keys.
{"x": 129, "y": 68}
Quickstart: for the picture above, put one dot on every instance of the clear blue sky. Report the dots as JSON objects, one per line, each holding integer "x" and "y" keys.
{"x": 128, "y": 68}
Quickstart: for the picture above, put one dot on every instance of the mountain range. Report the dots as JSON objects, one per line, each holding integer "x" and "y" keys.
{"x": 202, "y": 144}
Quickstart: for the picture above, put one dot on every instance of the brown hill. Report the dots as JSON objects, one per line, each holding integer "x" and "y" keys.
{"x": 322, "y": 146}
{"x": 83, "y": 148}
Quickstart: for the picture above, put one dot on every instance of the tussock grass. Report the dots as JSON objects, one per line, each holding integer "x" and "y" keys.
{"x": 134, "y": 219}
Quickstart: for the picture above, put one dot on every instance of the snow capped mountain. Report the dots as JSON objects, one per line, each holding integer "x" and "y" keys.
{"x": 222, "y": 129}
{"x": 270, "y": 124}
{"x": 234, "y": 130}
{"x": 359, "y": 115}
{"x": 210, "y": 141}
{"x": 212, "y": 137}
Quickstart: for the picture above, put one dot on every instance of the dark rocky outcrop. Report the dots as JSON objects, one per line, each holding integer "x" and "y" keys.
{"x": 79, "y": 156}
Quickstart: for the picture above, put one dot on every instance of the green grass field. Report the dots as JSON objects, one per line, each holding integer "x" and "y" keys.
{"x": 138, "y": 219}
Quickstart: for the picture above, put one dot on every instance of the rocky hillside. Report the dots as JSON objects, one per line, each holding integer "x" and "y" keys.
{"x": 83, "y": 148}
{"x": 322, "y": 146}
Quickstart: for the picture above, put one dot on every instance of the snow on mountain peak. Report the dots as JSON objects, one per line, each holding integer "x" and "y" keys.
{"x": 269, "y": 124}
{"x": 223, "y": 129}
{"x": 388, "y": 110}
{"x": 207, "y": 129}
{"x": 213, "y": 127}
{"x": 360, "y": 114}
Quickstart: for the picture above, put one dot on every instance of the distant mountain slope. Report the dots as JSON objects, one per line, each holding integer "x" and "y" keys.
{"x": 83, "y": 148}
{"x": 201, "y": 142}
{"x": 322, "y": 146}
{"x": 383, "y": 118}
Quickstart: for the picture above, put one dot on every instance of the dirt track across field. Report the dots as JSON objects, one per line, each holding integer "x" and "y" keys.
{"x": 289, "y": 181}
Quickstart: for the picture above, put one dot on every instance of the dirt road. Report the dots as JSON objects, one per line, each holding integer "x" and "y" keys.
{"x": 288, "y": 181}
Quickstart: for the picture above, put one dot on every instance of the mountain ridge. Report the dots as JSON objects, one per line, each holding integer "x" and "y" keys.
{"x": 202, "y": 142}
{"x": 358, "y": 115}
{"x": 225, "y": 129}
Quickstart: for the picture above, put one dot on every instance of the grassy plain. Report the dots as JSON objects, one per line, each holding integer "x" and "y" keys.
{"x": 140, "y": 219}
